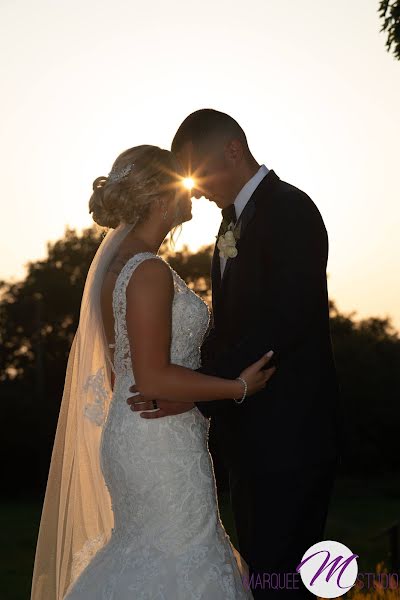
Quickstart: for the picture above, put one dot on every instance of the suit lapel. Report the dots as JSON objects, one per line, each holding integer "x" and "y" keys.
{"x": 248, "y": 215}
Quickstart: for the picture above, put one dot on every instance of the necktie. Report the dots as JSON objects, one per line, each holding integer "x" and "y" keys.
{"x": 229, "y": 213}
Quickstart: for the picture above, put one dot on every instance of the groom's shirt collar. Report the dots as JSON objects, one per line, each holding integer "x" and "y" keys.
{"x": 248, "y": 189}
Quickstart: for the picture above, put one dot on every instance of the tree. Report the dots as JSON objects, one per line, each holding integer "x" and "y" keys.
{"x": 367, "y": 355}
{"x": 38, "y": 319}
{"x": 39, "y": 316}
{"x": 390, "y": 13}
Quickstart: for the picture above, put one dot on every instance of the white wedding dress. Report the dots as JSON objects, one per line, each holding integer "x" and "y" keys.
{"x": 168, "y": 542}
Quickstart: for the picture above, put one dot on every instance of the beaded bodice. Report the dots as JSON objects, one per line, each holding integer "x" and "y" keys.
{"x": 190, "y": 318}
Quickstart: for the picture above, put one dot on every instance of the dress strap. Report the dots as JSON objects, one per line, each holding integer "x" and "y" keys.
{"x": 128, "y": 269}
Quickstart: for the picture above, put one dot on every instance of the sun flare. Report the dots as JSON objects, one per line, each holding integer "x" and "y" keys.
{"x": 188, "y": 183}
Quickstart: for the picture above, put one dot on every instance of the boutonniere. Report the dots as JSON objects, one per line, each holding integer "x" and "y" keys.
{"x": 226, "y": 243}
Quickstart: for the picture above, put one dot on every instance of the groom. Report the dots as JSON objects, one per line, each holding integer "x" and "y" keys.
{"x": 281, "y": 446}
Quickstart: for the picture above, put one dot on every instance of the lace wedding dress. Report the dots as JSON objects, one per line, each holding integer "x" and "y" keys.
{"x": 168, "y": 542}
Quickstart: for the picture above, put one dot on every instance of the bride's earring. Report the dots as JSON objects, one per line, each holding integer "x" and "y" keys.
{"x": 165, "y": 214}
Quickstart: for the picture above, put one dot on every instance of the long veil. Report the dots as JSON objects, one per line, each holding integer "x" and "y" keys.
{"x": 77, "y": 518}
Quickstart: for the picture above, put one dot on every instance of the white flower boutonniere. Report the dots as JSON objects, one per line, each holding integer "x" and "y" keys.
{"x": 227, "y": 242}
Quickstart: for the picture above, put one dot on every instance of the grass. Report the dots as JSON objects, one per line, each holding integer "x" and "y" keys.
{"x": 359, "y": 511}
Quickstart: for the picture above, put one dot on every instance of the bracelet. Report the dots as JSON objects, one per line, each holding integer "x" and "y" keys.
{"x": 244, "y": 393}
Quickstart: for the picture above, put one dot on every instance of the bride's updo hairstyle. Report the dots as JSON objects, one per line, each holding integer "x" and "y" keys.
{"x": 138, "y": 176}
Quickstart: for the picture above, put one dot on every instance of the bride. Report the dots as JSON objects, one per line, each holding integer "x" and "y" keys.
{"x": 130, "y": 510}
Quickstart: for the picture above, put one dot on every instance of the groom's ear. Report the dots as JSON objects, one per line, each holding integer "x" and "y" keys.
{"x": 234, "y": 151}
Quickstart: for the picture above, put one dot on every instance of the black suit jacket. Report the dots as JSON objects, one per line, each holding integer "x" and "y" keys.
{"x": 273, "y": 296}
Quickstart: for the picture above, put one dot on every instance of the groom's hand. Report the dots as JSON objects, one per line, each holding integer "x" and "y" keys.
{"x": 165, "y": 407}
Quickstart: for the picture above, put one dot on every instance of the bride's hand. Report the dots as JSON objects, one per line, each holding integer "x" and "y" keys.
{"x": 256, "y": 376}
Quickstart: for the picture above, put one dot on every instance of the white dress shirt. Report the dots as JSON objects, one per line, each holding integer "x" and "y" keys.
{"x": 243, "y": 197}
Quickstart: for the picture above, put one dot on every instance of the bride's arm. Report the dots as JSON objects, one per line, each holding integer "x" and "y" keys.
{"x": 149, "y": 296}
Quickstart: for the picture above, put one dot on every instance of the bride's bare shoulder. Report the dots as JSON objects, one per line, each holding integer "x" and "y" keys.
{"x": 154, "y": 271}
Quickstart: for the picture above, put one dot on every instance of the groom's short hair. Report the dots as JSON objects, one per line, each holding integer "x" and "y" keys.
{"x": 206, "y": 126}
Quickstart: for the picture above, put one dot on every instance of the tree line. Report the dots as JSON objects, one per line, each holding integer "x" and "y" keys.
{"x": 39, "y": 316}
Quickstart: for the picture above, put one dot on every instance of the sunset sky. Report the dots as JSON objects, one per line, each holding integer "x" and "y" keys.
{"x": 310, "y": 82}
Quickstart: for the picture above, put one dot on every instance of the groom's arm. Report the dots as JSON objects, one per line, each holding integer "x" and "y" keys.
{"x": 294, "y": 253}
